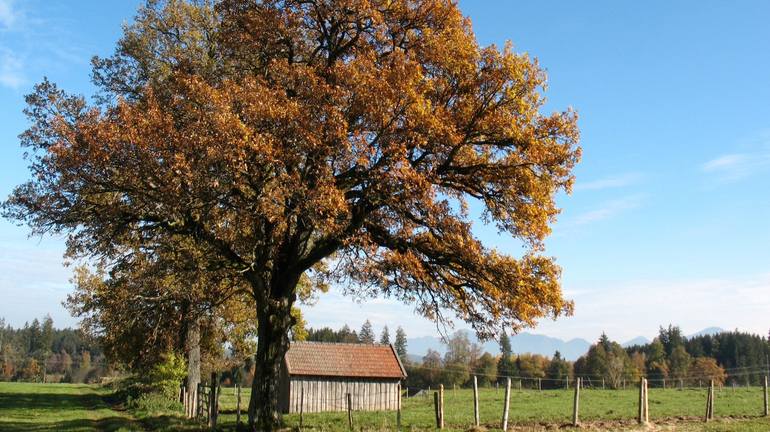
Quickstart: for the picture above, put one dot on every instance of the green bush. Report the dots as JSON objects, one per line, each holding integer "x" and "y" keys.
{"x": 166, "y": 377}
{"x": 154, "y": 390}
{"x": 153, "y": 403}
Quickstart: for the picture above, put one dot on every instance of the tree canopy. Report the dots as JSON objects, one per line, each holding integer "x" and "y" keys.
{"x": 279, "y": 136}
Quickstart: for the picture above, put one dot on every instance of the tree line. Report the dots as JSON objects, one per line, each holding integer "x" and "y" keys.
{"x": 364, "y": 335}
{"x": 731, "y": 358}
{"x": 39, "y": 352}
{"x": 465, "y": 359}
{"x": 735, "y": 357}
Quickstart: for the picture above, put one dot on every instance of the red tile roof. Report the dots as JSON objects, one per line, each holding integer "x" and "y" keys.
{"x": 343, "y": 360}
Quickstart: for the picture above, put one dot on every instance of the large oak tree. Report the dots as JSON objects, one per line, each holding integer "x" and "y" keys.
{"x": 285, "y": 136}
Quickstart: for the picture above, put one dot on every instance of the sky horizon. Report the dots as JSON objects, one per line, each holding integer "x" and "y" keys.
{"x": 666, "y": 223}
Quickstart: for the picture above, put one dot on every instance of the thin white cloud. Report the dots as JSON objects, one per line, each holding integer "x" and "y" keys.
{"x": 11, "y": 70}
{"x": 737, "y": 166}
{"x": 753, "y": 160}
{"x": 8, "y": 16}
{"x": 624, "y": 309}
{"x": 617, "y": 181}
{"x": 609, "y": 209}
{"x": 627, "y": 309}
{"x": 33, "y": 280}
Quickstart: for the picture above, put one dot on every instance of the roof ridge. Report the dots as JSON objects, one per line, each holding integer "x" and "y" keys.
{"x": 339, "y": 343}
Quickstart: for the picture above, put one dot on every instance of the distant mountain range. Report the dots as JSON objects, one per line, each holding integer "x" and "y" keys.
{"x": 521, "y": 343}
{"x": 639, "y": 340}
{"x": 529, "y": 343}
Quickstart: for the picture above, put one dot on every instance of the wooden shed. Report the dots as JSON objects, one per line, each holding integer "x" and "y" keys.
{"x": 319, "y": 376}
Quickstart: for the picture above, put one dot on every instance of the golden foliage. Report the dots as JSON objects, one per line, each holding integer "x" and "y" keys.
{"x": 279, "y": 134}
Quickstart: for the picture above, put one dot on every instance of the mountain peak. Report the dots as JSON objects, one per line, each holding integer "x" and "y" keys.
{"x": 709, "y": 331}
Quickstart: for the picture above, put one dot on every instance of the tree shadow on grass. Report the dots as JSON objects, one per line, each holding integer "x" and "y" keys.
{"x": 49, "y": 401}
{"x": 108, "y": 424}
{"x": 46, "y": 408}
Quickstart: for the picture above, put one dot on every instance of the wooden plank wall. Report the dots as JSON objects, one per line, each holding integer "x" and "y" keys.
{"x": 323, "y": 394}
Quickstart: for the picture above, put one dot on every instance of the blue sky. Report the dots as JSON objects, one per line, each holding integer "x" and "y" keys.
{"x": 669, "y": 218}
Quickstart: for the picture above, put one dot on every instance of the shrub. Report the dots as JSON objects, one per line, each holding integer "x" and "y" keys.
{"x": 166, "y": 376}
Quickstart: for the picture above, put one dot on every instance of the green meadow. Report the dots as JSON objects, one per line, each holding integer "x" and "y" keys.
{"x": 64, "y": 407}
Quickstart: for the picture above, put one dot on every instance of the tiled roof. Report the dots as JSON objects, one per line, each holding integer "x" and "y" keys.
{"x": 343, "y": 360}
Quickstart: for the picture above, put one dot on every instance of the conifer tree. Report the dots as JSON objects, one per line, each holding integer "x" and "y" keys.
{"x": 401, "y": 344}
{"x": 366, "y": 335}
{"x": 385, "y": 336}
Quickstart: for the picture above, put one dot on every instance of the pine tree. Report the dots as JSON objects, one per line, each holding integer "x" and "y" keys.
{"x": 366, "y": 335}
{"x": 505, "y": 365}
{"x": 385, "y": 336}
{"x": 401, "y": 344}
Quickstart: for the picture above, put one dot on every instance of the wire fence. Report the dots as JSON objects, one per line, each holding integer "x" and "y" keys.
{"x": 459, "y": 407}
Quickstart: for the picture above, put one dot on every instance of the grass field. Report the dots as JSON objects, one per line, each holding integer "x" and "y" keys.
{"x": 55, "y": 407}
{"x": 65, "y": 407}
{"x": 739, "y": 409}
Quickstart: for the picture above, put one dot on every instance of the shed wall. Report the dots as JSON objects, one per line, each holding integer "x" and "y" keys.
{"x": 330, "y": 394}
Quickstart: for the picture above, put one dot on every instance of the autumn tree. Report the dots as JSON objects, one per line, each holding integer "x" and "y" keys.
{"x": 460, "y": 358}
{"x": 150, "y": 307}
{"x": 531, "y": 366}
{"x": 706, "y": 368}
{"x": 277, "y": 135}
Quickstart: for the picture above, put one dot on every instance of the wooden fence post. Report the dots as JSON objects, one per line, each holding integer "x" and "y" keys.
{"x": 213, "y": 399}
{"x": 436, "y": 409}
{"x": 441, "y": 406}
{"x": 540, "y": 384}
{"x": 507, "y": 403}
{"x": 764, "y": 392}
{"x": 646, "y": 401}
{"x": 398, "y": 408}
{"x": 350, "y": 412}
{"x": 576, "y": 404}
{"x": 475, "y": 401}
{"x": 602, "y": 383}
{"x": 643, "y": 413}
{"x": 708, "y": 406}
{"x": 238, "y": 405}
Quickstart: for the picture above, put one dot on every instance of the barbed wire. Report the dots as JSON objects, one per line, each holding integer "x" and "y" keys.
{"x": 738, "y": 372}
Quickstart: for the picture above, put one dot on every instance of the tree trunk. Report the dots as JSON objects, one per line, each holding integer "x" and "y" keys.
{"x": 274, "y": 322}
{"x": 193, "y": 356}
